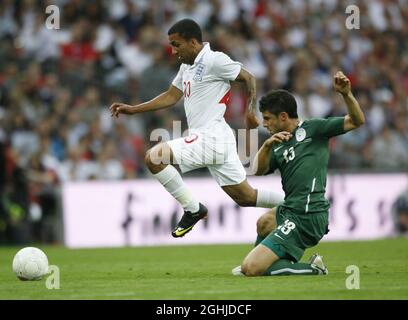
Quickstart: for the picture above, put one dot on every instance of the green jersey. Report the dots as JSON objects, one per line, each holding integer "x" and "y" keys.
{"x": 302, "y": 162}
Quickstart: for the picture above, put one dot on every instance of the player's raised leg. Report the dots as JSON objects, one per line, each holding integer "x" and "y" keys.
{"x": 159, "y": 160}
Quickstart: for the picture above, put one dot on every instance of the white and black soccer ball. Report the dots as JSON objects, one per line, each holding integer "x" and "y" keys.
{"x": 30, "y": 264}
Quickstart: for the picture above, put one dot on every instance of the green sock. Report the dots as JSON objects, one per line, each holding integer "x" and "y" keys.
{"x": 284, "y": 267}
{"x": 258, "y": 240}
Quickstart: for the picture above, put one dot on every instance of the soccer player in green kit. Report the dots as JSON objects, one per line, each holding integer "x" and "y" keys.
{"x": 299, "y": 149}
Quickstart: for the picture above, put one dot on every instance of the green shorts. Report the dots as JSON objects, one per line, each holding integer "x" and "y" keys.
{"x": 295, "y": 233}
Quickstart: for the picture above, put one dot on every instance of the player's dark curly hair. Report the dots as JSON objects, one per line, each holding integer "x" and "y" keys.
{"x": 187, "y": 29}
{"x": 277, "y": 101}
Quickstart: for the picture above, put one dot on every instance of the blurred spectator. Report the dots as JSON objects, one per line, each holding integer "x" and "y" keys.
{"x": 43, "y": 207}
{"x": 390, "y": 151}
{"x": 14, "y": 208}
{"x": 3, "y": 212}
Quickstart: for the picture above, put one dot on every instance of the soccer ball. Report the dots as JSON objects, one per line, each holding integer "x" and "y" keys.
{"x": 30, "y": 264}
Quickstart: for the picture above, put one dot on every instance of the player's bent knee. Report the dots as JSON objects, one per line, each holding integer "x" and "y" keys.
{"x": 156, "y": 156}
{"x": 153, "y": 162}
{"x": 265, "y": 225}
{"x": 260, "y": 227}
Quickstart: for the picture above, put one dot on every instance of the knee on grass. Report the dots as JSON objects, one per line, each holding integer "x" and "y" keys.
{"x": 252, "y": 269}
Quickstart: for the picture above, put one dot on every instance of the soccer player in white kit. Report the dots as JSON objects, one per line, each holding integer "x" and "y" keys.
{"x": 204, "y": 82}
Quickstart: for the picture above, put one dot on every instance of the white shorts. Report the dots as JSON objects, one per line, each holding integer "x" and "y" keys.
{"x": 214, "y": 149}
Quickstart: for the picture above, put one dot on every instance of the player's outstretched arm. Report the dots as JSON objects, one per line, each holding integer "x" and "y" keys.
{"x": 251, "y": 120}
{"x": 355, "y": 117}
{"x": 162, "y": 101}
{"x": 262, "y": 158}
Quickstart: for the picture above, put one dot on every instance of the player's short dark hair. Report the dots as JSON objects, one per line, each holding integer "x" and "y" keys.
{"x": 277, "y": 101}
{"x": 187, "y": 29}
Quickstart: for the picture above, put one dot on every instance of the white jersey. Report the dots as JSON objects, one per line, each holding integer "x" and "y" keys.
{"x": 206, "y": 87}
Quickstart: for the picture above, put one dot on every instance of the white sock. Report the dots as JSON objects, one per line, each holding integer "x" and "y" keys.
{"x": 174, "y": 184}
{"x": 268, "y": 199}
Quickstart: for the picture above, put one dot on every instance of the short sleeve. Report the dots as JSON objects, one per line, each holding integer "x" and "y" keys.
{"x": 178, "y": 80}
{"x": 329, "y": 127}
{"x": 225, "y": 68}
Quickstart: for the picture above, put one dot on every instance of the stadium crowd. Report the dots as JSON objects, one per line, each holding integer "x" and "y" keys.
{"x": 56, "y": 85}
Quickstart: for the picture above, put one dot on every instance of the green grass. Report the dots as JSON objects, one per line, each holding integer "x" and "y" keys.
{"x": 203, "y": 272}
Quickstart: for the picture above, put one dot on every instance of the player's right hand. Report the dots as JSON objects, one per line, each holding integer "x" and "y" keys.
{"x": 117, "y": 108}
{"x": 278, "y": 138}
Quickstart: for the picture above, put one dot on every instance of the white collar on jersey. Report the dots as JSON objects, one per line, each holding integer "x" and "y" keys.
{"x": 205, "y": 48}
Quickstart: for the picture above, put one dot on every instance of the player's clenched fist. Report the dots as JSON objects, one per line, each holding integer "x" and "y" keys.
{"x": 117, "y": 108}
{"x": 342, "y": 83}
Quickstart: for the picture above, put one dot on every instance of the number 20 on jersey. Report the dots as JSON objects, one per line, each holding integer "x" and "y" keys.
{"x": 187, "y": 89}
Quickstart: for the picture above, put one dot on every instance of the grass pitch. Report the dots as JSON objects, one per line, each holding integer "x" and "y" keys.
{"x": 203, "y": 272}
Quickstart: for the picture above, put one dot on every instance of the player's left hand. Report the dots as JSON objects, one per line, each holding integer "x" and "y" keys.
{"x": 251, "y": 121}
{"x": 341, "y": 83}
{"x": 278, "y": 137}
